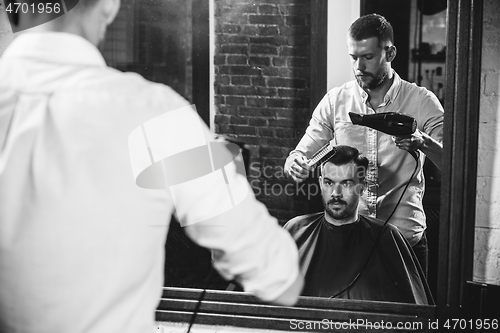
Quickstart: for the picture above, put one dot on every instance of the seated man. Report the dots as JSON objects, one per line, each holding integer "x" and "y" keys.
{"x": 347, "y": 255}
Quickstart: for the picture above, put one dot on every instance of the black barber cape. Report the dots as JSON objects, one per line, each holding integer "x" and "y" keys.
{"x": 331, "y": 257}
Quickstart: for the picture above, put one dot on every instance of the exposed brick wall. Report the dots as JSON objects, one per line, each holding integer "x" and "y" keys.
{"x": 487, "y": 235}
{"x": 262, "y": 80}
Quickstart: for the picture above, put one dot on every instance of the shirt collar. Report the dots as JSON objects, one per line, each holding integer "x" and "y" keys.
{"x": 391, "y": 93}
{"x": 394, "y": 89}
{"x": 57, "y": 47}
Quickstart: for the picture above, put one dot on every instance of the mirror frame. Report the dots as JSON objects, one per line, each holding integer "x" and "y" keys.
{"x": 457, "y": 219}
{"x": 460, "y": 143}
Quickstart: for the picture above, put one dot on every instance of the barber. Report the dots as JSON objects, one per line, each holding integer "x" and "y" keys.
{"x": 378, "y": 88}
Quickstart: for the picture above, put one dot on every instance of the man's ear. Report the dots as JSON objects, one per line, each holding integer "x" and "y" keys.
{"x": 320, "y": 181}
{"x": 391, "y": 52}
{"x": 362, "y": 187}
{"x": 111, "y": 8}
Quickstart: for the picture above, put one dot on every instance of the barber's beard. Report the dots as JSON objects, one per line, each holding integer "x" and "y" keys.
{"x": 376, "y": 81}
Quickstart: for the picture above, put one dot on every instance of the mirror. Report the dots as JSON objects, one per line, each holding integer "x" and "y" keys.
{"x": 148, "y": 36}
{"x": 456, "y": 232}
{"x": 463, "y": 45}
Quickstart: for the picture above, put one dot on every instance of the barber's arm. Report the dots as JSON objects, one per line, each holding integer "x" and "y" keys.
{"x": 318, "y": 133}
{"x": 423, "y": 142}
{"x": 428, "y": 137}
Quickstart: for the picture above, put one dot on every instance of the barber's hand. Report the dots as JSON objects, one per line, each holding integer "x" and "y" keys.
{"x": 410, "y": 143}
{"x": 297, "y": 168}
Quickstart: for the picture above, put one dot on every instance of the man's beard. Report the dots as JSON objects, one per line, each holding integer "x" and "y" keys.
{"x": 337, "y": 214}
{"x": 378, "y": 79}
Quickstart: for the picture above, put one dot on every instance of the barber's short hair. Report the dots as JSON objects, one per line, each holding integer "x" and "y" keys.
{"x": 345, "y": 155}
{"x": 372, "y": 25}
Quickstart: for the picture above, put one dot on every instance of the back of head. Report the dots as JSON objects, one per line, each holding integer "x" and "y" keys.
{"x": 347, "y": 154}
{"x": 86, "y": 18}
{"x": 44, "y": 9}
{"x": 372, "y": 25}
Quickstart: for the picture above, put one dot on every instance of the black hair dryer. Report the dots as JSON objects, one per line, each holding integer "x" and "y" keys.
{"x": 391, "y": 123}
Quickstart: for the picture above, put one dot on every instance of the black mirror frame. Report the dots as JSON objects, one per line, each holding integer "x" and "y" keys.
{"x": 459, "y": 173}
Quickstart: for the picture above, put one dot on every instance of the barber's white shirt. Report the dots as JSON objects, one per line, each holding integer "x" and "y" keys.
{"x": 81, "y": 245}
{"x": 390, "y": 168}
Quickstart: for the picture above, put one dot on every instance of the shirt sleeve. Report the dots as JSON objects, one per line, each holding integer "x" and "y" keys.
{"x": 431, "y": 116}
{"x": 319, "y": 131}
{"x": 247, "y": 243}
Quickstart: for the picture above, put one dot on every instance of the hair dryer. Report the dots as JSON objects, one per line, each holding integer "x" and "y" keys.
{"x": 391, "y": 123}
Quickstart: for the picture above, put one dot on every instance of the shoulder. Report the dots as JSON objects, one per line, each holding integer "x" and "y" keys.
{"x": 124, "y": 90}
{"x": 412, "y": 86}
{"x": 302, "y": 221}
{"x": 348, "y": 88}
{"x": 122, "y": 84}
{"x": 417, "y": 91}
{"x": 379, "y": 225}
{"x": 339, "y": 96}
{"x": 371, "y": 221}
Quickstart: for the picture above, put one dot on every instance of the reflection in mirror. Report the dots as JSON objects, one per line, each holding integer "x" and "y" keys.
{"x": 399, "y": 14}
{"x": 420, "y": 38}
{"x": 263, "y": 83}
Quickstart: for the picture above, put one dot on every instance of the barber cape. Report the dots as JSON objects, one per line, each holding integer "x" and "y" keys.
{"x": 332, "y": 256}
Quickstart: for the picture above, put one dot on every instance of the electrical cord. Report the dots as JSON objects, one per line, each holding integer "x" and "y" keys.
{"x": 200, "y": 299}
{"x": 415, "y": 155}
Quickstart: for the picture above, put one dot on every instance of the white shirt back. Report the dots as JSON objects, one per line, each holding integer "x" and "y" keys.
{"x": 80, "y": 243}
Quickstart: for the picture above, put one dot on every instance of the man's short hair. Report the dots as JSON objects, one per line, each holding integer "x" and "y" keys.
{"x": 15, "y": 15}
{"x": 83, "y": 3}
{"x": 372, "y": 25}
{"x": 345, "y": 155}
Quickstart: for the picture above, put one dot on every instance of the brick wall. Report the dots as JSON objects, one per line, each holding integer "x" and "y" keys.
{"x": 487, "y": 235}
{"x": 262, "y": 80}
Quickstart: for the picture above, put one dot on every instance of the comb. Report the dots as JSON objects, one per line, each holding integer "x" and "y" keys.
{"x": 323, "y": 154}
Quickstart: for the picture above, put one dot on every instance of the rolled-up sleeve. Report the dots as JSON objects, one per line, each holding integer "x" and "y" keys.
{"x": 319, "y": 132}
{"x": 431, "y": 116}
